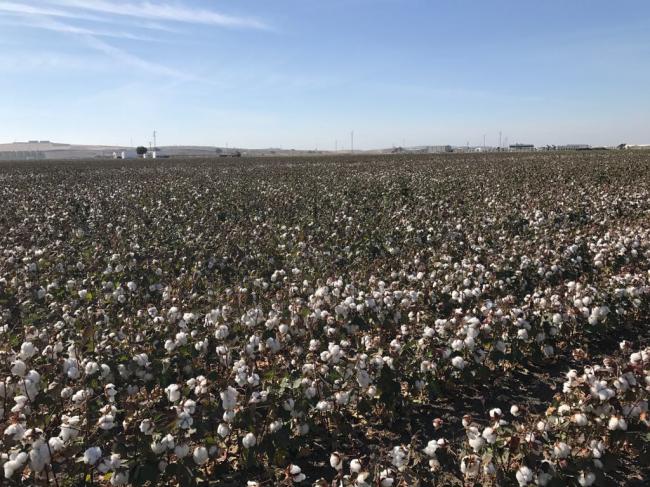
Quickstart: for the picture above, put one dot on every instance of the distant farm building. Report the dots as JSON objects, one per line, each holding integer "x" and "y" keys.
{"x": 574, "y": 147}
{"x": 634, "y": 146}
{"x": 437, "y": 149}
{"x": 522, "y": 147}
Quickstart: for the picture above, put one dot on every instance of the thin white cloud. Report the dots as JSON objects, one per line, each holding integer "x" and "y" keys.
{"x": 128, "y": 59}
{"x": 161, "y": 11}
{"x": 49, "y": 24}
{"x": 122, "y": 57}
{"x": 25, "y": 9}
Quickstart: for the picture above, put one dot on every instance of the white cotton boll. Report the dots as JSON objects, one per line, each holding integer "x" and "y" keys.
{"x": 184, "y": 420}
{"x": 275, "y": 426}
{"x": 458, "y": 362}
{"x": 580, "y": 419}
{"x": 16, "y": 431}
{"x": 398, "y": 456}
{"x": 189, "y": 406}
{"x": 181, "y": 451}
{"x": 158, "y": 447}
{"x": 229, "y": 398}
{"x": 39, "y": 455}
{"x": 524, "y": 476}
{"x": 73, "y": 373}
{"x": 457, "y": 345}
{"x": 70, "y": 427}
{"x": 355, "y": 466}
{"x": 21, "y": 402}
{"x": 120, "y": 478}
{"x": 106, "y": 422}
{"x": 223, "y": 430}
{"x": 296, "y": 474}
{"x": 27, "y": 350}
{"x": 336, "y": 462}
{"x": 200, "y": 455}
{"x": 586, "y": 479}
{"x": 475, "y": 439}
{"x": 495, "y": 413}
{"x": 431, "y": 448}
{"x": 91, "y": 368}
{"x": 561, "y": 450}
{"x": 15, "y": 464}
{"x": 92, "y": 455}
{"x": 249, "y": 440}
{"x": 489, "y": 435}
{"x": 514, "y": 410}
{"x": 469, "y": 466}
{"x": 147, "y": 427}
{"x": 173, "y": 392}
{"x": 18, "y": 368}
{"x": 612, "y": 424}
{"x": 386, "y": 478}
{"x": 56, "y": 444}
{"x": 168, "y": 442}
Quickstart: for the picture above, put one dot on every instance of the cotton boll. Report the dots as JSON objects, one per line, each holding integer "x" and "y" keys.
{"x": 120, "y": 477}
{"x": 458, "y": 362}
{"x": 181, "y": 451}
{"x": 173, "y": 392}
{"x": 147, "y": 427}
{"x": 296, "y": 473}
{"x": 223, "y": 430}
{"x": 16, "y": 431}
{"x": 586, "y": 479}
{"x": 524, "y": 476}
{"x": 580, "y": 419}
{"x": 200, "y": 455}
{"x": 249, "y": 440}
{"x": 18, "y": 368}
{"x": 561, "y": 450}
{"x": 336, "y": 462}
{"x": 15, "y": 464}
{"x": 92, "y": 455}
{"x": 489, "y": 435}
{"x": 27, "y": 350}
{"x": 39, "y": 455}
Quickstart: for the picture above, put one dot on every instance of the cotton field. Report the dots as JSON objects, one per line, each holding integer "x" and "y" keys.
{"x": 363, "y": 321}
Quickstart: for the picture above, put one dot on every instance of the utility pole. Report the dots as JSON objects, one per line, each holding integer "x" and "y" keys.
{"x": 352, "y": 141}
{"x": 484, "y": 142}
{"x": 154, "y": 140}
{"x": 500, "y": 140}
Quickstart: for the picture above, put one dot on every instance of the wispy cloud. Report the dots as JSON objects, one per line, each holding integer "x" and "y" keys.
{"x": 46, "y": 23}
{"x": 162, "y": 11}
{"x": 126, "y": 58}
{"x": 29, "y": 10}
{"x": 90, "y": 38}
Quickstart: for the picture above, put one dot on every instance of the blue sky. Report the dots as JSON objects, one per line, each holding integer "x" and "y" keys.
{"x": 304, "y": 73}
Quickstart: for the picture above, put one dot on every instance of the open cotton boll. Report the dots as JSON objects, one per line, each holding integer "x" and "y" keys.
{"x": 200, "y": 455}
{"x": 249, "y": 440}
{"x": 18, "y": 368}
{"x": 92, "y": 455}
{"x": 15, "y": 464}
{"x": 524, "y": 476}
